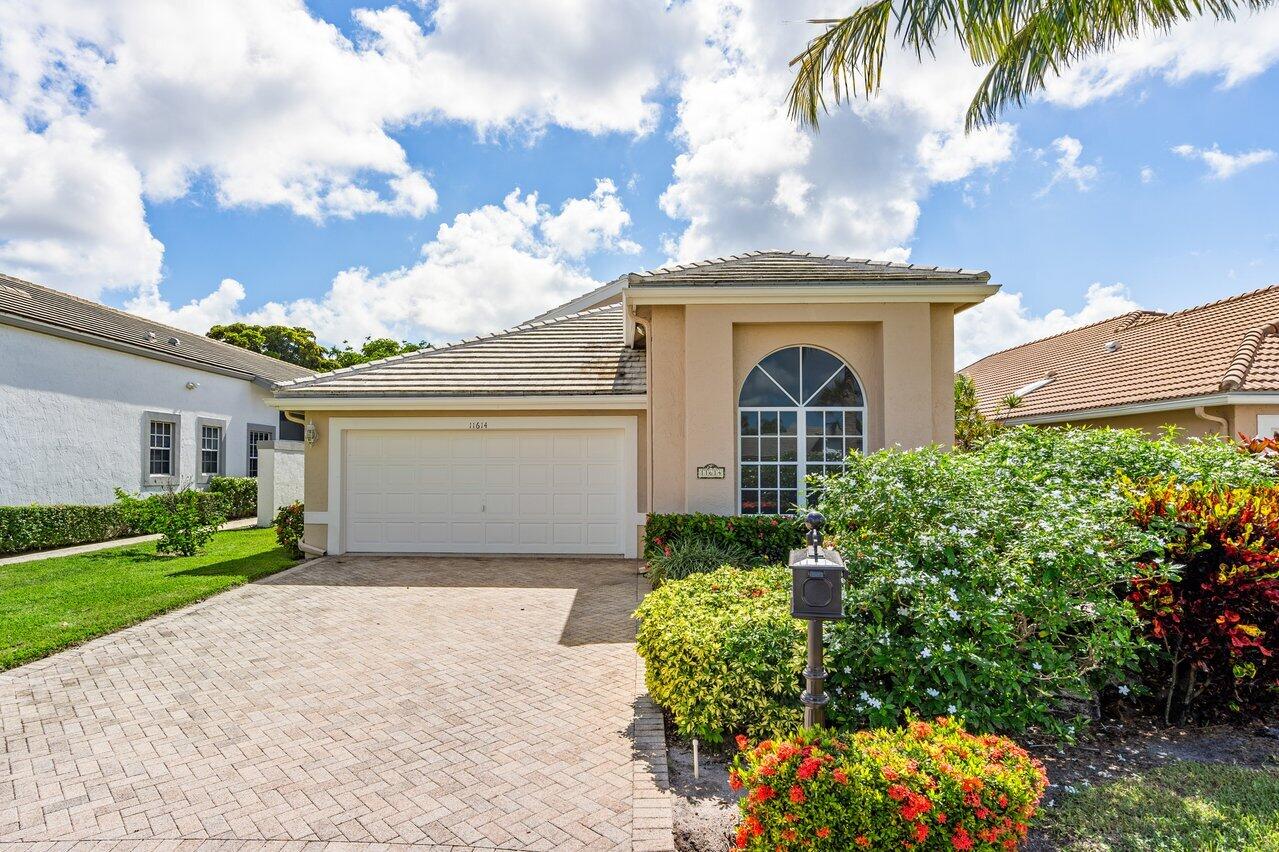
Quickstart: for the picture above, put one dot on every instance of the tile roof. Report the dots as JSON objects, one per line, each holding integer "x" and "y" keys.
{"x": 789, "y": 267}
{"x": 580, "y": 354}
{"x": 1227, "y": 346}
{"x": 24, "y": 303}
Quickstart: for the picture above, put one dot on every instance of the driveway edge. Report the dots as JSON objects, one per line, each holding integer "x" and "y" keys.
{"x": 653, "y": 820}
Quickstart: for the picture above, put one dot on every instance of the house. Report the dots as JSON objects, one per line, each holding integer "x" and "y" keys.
{"x": 1212, "y": 369}
{"x": 708, "y": 387}
{"x": 93, "y": 399}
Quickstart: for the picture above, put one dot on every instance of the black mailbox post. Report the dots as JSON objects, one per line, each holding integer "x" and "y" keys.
{"x": 817, "y": 594}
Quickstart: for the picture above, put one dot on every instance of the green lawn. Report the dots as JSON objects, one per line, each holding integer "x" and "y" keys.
{"x": 1204, "y": 807}
{"x": 50, "y": 604}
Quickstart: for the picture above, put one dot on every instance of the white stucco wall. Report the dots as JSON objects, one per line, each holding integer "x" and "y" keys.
{"x": 280, "y": 477}
{"x": 71, "y": 417}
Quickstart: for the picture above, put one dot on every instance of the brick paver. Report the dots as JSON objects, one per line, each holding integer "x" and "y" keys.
{"x": 433, "y": 702}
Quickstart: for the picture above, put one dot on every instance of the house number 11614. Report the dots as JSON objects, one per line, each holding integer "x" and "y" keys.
{"x": 478, "y": 424}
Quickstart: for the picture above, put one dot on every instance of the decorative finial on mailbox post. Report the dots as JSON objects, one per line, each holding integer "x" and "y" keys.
{"x": 817, "y": 594}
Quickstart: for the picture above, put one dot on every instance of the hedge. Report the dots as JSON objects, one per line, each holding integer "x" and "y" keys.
{"x": 24, "y": 528}
{"x": 240, "y": 492}
{"x": 771, "y": 537}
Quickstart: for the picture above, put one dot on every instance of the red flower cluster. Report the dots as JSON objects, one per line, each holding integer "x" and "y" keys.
{"x": 922, "y": 786}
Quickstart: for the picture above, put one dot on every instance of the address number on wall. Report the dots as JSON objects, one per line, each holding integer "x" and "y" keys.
{"x": 477, "y": 424}
{"x": 710, "y": 471}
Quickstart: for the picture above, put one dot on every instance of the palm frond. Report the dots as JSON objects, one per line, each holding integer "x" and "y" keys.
{"x": 850, "y": 50}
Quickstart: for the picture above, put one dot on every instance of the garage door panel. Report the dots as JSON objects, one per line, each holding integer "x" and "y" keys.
{"x": 485, "y": 491}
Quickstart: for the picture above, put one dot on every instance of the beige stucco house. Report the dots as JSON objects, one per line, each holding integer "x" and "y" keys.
{"x": 711, "y": 387}
{"x": 1211, "y": 369}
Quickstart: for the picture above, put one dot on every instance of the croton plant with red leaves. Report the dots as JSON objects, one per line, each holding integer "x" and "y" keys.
{"x": 1212, "y": 598}
{"x": 928, "y": 786}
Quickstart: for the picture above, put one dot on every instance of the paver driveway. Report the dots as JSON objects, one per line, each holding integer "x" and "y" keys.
{"x": 459, "y": 703}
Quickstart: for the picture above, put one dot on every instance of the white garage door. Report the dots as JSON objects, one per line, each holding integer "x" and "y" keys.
{"x": 490, "y": 491}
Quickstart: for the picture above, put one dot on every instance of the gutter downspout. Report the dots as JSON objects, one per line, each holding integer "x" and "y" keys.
{"x": 1202, "y": 414}
{"x": 310, "y": 549}
{"x": 294, "y": 417}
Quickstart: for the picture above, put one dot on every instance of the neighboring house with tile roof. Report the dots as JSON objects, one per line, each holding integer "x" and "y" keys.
{"x": 706, "y": 387}
{"x": 95, "y": 399}
{"x": 1208, "y": 369}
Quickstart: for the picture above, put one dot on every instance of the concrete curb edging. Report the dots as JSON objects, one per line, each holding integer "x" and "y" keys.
{"x": 653, "y": 820}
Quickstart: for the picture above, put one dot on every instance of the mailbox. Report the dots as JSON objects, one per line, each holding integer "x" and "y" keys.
{"x": 817, "y": 576}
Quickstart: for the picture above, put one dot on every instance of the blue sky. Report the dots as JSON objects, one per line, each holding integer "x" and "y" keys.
{"x": 359, "y": 178}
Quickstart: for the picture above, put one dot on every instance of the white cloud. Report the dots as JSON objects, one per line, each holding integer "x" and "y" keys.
{"x": 1231, "y": 51}
{"x": 105, "y": 104}
{"x": 1222, "y": 165}
{"x": 1069, "y": 169}
{"x": 1147, "y": 174}
{"x": 487, "y": 269}
{"x": 747, "y": 177}
{"x": 1003, "y": 320}
{"x": 587, "y": 225}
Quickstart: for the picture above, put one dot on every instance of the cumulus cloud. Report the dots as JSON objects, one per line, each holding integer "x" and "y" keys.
{"x": 1069, "y": 169}
{"x": 488, "y": 268}
{"x": 747, "y": 177}
{"x": 1003, "y": 320}
{"x": 1147, "y": 174}
{"x": 1222, "y": 165}
{"x": 1230, "y": 51}
{"x": 106, "y": 104}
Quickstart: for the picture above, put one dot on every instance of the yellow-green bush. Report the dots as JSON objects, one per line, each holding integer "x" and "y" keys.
{"x": 723, "y": 653}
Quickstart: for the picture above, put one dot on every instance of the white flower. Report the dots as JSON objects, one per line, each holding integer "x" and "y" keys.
{"x": 932, "y": 693}
{"x": 954, "y": 616}
{"x": 925, "y": 653}
{"x": 946, "y": 647}
{"x": 1123, "y": 690}
{"x": 952, "y": 709}
{"x": 953, "y": 595}
{"x": 1036, "y": 667}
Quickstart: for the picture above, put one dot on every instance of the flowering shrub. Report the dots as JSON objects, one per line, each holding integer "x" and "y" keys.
{"x": 723, "y": 653}
{"x": 769, "y": 537}
{"x": 1211, "y": 597}
{"x": 926, "y": 786}
{"x": 290, "y": 524}
{"x": 982, "y": 584}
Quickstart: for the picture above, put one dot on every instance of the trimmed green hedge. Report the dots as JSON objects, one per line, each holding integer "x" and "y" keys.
{"x": 24, "y": 528}
{"x": 240, "y": 492}
{"x": 35, "y": 527}
{"x": 771, "y": 537}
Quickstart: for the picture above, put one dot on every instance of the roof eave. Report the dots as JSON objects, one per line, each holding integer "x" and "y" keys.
{"x": 485, "y": 402}
{"x": 1150, "y": 407}
{"x": 959, "y": 293}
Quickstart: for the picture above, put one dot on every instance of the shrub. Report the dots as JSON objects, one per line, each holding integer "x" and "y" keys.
{"x": 927, "y": 786}
{"x": 723, "y": 653}
{"x": 289, "y": 526}
{"x": 240, "y": 492}
{"x": 693, "y": 555}
{"x": 24, "y": 528}
{"x": 770, "y": 537}
{"x": 983, "y": 584}
{"x": 1210, "y": 598}
{"x": 185, "y": 519}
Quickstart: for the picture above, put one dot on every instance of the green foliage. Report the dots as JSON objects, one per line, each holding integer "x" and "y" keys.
{"x": 290, "y": 524}
{"x": 972, "y": 429}
{"x": 723, "y": 653}
{"x": 295, "y": 344}
{"x": 1185, "y": 806}
{"x": 50, "y": 604}
{"x": 373, "y": 349}
{"x": 240, "y": 493}
{"x": 769, "y": 537}
{"x": 24, "y": 528}
{"x": 184, "y": 518}
{"x": 1210, "y": 598}
{"x": 1020, "y": 44}
{"x": 929, "y": 786}
{"x": 694, "y": 555}
{"x": 983, "y": 584}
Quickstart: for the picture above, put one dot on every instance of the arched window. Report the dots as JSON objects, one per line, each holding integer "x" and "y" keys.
{"x": 800, "y": 412}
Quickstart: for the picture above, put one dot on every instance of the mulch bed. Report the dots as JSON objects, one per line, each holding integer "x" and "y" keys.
{"x": 706, "y": 809}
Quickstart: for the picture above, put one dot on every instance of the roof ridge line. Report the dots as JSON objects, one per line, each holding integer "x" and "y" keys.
{"x": 1047, "y": 337}
{"x": 156, "y": 323}
{"x": 430, "y": 350}
{"x": 1242, "y": 362}
{"x": 680, "y": 267}
{"x": 1221, "y": 301}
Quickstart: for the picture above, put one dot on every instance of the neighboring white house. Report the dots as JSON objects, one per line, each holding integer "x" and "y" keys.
{"x": 93, "y": 399}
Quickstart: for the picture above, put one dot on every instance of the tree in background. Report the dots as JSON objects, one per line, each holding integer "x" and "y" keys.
{"x": 972, "y": 429}
{"x": 294, "y": 344}
{"x": 297, "y": 345}
{"x": 1022, "y": 42}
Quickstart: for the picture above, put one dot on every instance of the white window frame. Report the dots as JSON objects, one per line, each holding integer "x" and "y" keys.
{"x": 250, "y": 469}
{"x": 801, "y": 429}
{"x": 150, "y": 480}
{"x": 221, "y": 426}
